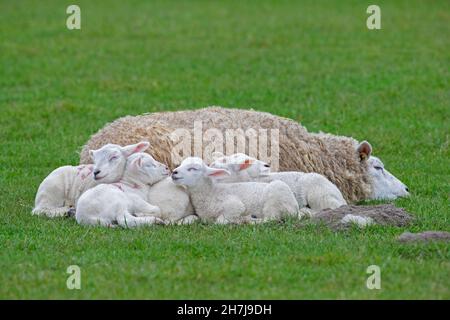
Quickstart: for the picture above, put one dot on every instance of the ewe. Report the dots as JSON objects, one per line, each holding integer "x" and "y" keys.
{"x": 343, "y": 160}
{"x": 123, "y": 203}
{"x": 58, "y": 193}
{"x": 310, "y": 189}
{"x": 233, "y": 202}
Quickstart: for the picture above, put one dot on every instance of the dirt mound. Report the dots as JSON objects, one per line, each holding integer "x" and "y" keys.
{"x": 384, "y": 214}
{"x": 425, "y": 236}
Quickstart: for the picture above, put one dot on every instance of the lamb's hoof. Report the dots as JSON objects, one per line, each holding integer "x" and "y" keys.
{"x": 159, "y": 221}
{"x": 71, "y": 212}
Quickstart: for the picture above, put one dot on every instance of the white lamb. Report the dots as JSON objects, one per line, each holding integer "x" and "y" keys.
{"x": 233, "y": 202}
{"x": 124, "y": 203}
{"x": 310, "y": 189}
{"x": 58, "y": 193}
{"x": 173, "y": 200}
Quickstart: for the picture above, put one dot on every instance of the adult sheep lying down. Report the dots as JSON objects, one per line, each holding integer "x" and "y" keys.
{"x": 343, "y": 160}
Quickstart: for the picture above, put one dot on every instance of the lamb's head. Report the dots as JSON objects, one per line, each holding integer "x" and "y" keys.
{"x": 384, "y": 185}
{"x": 239, "y": 163}
{"x": 142, "y": 168}
{"x": 194, "y": 171}
{"x": 110, "y": 160}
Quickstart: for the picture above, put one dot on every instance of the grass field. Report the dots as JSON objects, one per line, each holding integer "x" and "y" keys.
{"x": 313, "y": 61}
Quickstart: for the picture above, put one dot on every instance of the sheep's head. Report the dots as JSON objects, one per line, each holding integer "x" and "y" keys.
{"x": 239, "y": 163}
{"x": 110, "y": 160}
{"x": 193, "y": 171}
{"x": 143, "y": 168}
{"x": 384, "y": 185}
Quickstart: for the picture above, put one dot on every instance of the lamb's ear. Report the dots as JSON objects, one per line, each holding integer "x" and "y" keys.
{"x": 134, "y": 148}
{"x": 245, "y": 165}
{"x": 364, "y": 150}
{"x": 213, "y": 172}
{"x": 138, "y": 162}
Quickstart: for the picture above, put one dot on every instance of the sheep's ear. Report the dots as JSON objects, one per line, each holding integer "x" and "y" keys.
{"x": 213, "y": 172}
{"x": 245, "y": 165}
{"x": 135, "y": 148}
{"x": 364, "y": 150}
{"x": 138, "y": 162}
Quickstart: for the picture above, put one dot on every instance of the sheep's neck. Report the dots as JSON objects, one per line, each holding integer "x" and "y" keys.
{"x": 204, "y": 186}
{"x": 133, "y": 183}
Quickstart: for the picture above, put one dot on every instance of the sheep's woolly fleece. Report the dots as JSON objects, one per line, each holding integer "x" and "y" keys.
{"x": 385, "y": 214}
{"x": 332, "y": 156}
{"x": 135, "y": 129}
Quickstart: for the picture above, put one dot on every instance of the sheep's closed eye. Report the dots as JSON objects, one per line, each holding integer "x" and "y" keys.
{"x": 192, "y": 169}
{"x": 113, "y": 158}
{"x": 378, "y": 168}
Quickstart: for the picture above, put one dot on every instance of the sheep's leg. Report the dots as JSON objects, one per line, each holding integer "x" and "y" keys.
{"x": 232, "y": 211}
{"x": 129, "y": 221}
{"x": 322, "y": 194}
{"x": 96, "y": 221}
{"x": 187, "y": 220}
{"x": 51, "y": 212}
{"x": 142, "y": 208}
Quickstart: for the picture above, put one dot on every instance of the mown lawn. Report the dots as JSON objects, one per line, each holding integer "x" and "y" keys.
{"x": 313, "y": 61}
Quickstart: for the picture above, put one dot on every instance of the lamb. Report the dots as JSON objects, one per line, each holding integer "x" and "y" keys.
{"x": 174, "y": 202}
{"x": 310, "y": 189}
{"x": 123, "y": 203}
{"x": 233, "y": 202}
{"x": 345, "y": 162}
{"x": 58, "y": 193}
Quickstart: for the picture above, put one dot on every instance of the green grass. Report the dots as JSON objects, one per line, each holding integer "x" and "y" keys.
{"x": 313, "y": 61}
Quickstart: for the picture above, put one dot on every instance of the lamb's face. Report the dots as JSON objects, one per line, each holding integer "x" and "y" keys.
{"x": 110, "y": 160}
{"x": 193, "y": 171}
{"x": 145, "y": 169}
{"x": 239, "y": 162}
{"x": 384, "y": 185}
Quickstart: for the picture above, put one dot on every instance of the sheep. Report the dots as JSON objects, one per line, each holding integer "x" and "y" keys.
{"x": 233, "y": 202}
{"x": 310, "y": 189}
{"x": 173, "y": 201}
{"x": 345, "y": 162}
{"x": 124, "y": 203}
{"x": 58, "y": 193}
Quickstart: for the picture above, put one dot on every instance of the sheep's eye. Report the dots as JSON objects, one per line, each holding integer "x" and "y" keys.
{"x": 112, "y": 158}
{"x": 378, "y": 167}
{"x": 266, "y": 165}
{"x": 192, "y": 169}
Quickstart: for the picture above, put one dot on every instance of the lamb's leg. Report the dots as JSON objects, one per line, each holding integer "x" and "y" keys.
{"x": 187, "y": 220}
{"x": 51, "y": 212}
{"x": 129, "y": 221}
{"x": 142, "y": 208}
{"x": 232, "y": 211}
{"x": 321, "y": 193}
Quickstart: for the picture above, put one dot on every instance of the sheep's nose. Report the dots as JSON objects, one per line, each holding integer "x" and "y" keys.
{"x": 175, "y": 172}
{"x": 407, "y": 189}
{"x": 96, "y": 172}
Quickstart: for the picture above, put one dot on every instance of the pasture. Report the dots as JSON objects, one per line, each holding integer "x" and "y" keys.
{"x": 312, "y": 61}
